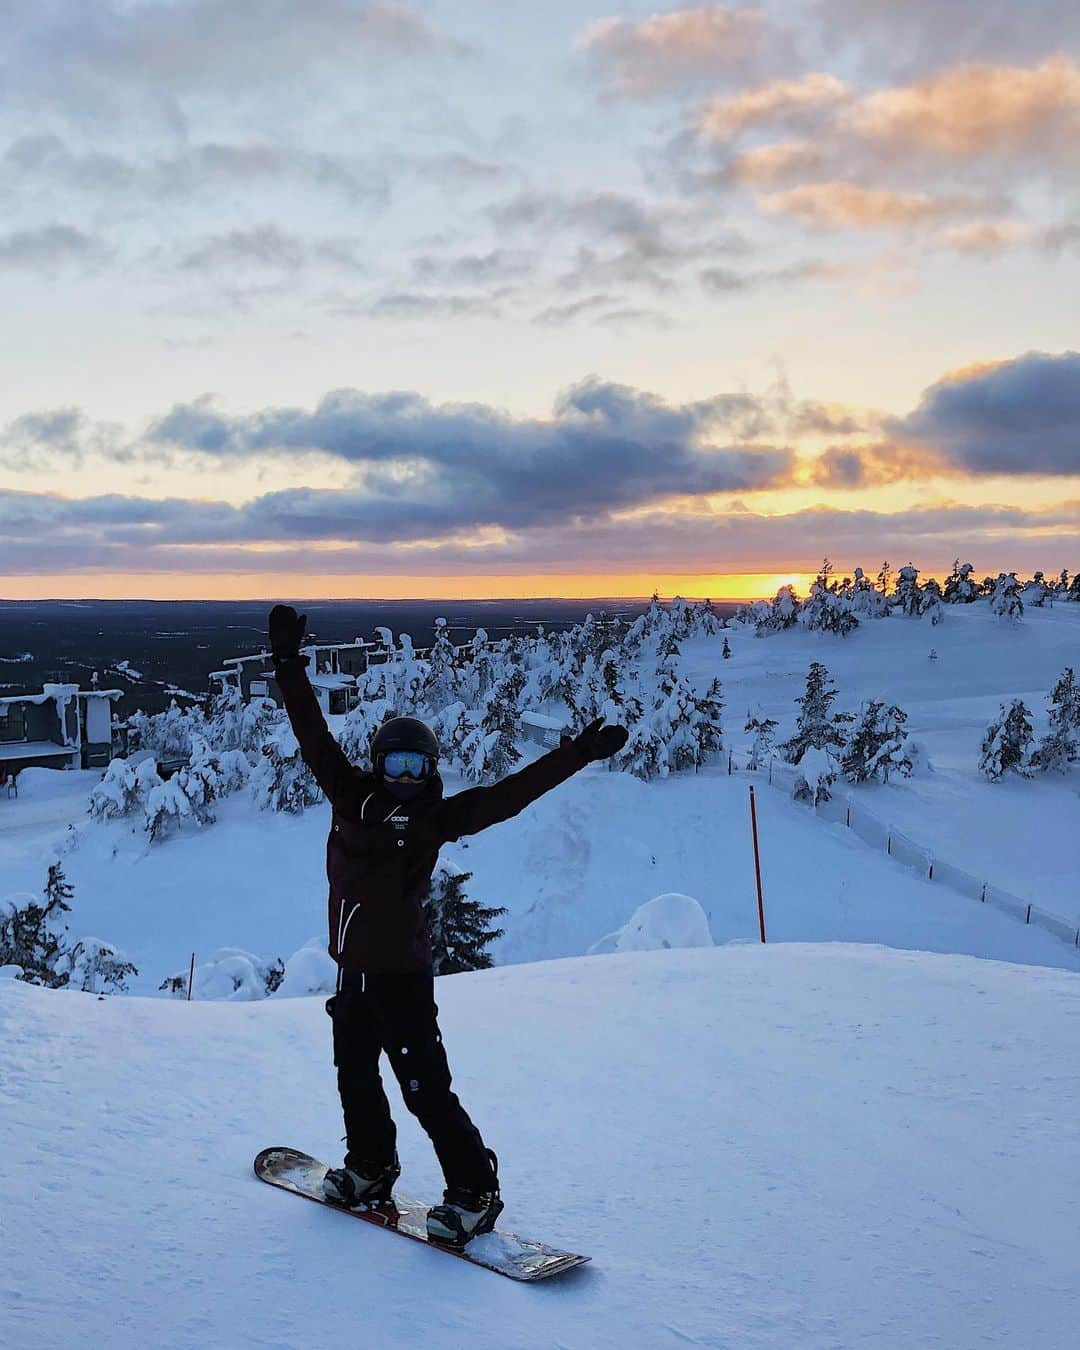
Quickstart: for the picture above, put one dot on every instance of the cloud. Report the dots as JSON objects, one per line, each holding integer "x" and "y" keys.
{"x": 985, "y": 237}
{"x": 975, "y": 110}
{"x": 1018, "y": 417}
{"x": 49, "y": 248}
{"x": 917, "y": 35}
{"x": 665, "y": 52}
{"x": 201, "y": 47}
{"x": 779, "y": 103}
{"x": 116, "y": 533}
{"x": 606, "y": 447}
{"x": 839, "y": 205}
{"x": 223, "y": 169}
{"x": 473, "y": 269}
{"x": 268, "y": 248}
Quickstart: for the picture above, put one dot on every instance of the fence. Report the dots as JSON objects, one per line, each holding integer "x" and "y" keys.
{"x": 872, "y": 830}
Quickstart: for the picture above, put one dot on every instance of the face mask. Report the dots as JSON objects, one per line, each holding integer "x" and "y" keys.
{"x": 403, "y": 789}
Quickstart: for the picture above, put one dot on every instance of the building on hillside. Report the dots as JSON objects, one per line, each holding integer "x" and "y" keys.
{"x": 333, "y": 669}
{"x": 62, "y": 727}
{"x": 540, "y": 729}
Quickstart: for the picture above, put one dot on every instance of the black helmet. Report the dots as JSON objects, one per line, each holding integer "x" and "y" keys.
{"x": 404, "y": 733}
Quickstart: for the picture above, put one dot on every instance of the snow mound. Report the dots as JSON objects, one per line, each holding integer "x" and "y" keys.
{"x": 308, "y": 971}
{"x": 670, "y": 920}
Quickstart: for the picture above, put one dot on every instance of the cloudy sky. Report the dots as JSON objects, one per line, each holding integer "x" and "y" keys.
{"x": 422, "y": 297}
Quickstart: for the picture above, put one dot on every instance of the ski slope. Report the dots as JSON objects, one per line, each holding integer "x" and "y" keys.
{"x": 812, "y": 1146}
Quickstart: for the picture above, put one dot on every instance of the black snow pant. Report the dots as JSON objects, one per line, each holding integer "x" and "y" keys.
{"x": 397, "y": 1013}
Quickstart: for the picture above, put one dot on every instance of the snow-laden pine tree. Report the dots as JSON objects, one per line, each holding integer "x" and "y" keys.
{"x": 726, "y": 652}
{"x": 782, "y": 613}
{"x": 359, "y": 728}
{"x": 1035, "y": 591}
{"x": 440, "y": 685}
{"x": 1005, "y": 601}
{"x": 1006, "y": 747}
{"x": 865, "y": 600}
{"x": 118, "y": 794}
{"x": 226, "y": 715}
{"x": 877, "y": 745}
{"x": 461, "y": 929}
{"x": 959, "y": 587}
{"x": 709, "y": 623}
{"x": 1060, "y": 747}
{"x": 645, "y": 752}
{"x": 452, "y": 728}
{"x": 907, "y": 597}
{"x": 95, "y": 966}
{"x": 932, "y": 605}
{"x": 281, "y": 781}
{"x": 764, "y": 733}
{"x": 816, "y": 726}
{"x": 30, "y": 935}
{"x": 709, "y": 726}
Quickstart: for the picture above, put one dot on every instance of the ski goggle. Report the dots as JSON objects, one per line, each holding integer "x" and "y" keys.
{"x": 406, "y": 764}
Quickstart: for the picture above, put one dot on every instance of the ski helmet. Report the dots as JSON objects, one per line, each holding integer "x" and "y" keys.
{"x": 404, "y": 733}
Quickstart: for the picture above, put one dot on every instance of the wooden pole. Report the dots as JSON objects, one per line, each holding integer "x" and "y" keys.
{"x": 191, "y": 977}
{"x": 757, "y": 863}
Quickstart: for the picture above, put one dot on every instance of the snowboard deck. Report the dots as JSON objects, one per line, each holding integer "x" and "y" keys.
{"x": 505, "y": 1253}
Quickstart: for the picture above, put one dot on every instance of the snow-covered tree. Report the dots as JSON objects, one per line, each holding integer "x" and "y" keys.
{"x": 461, "y": 929}
{"x": 226, "y": 716}
{"x": 645, "y": 752}
{"x": 359, "y": 728}
{"x": 95, "y": 966}
{"x": 959, "y": 587}
{"x": 708, "y": 621}
{"x": 281, "y": 781}
{"x": 1035, "y": 591}
{"x": 726, "y": 652}
{"x": 816, "y": 727}
{"x": 441, "y": 682}
{"x": 1006, "y": 602}
{"x": 877, "y": 745}
{"x": 864, "y": 599}
{"x": 118, "y": 794}
{"x": 782, "y": 613}
{"x": 907, "y": 597}
{"x": 452, "y": 728}
{"x": 932, "y": 604}
{"x": 1060, "y": 747}
{"x": 709, "y": 724}
{"x": 818, "y": 770}
{"x": 1006, "y": 747}
{"x": 764, "y": 733}
{"x": 30, "y": 935}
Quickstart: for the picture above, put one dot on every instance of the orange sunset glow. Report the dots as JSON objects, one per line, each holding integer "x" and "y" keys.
{"x": 297, "y": 586}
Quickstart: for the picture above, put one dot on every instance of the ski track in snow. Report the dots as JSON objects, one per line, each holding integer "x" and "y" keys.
{"x": 792, "y": 1146}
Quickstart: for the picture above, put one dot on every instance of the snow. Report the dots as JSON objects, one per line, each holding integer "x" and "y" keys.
{"x": 33, "y": 750}
{"x": 810, "y": 1146}
{"x": 671, "y": 920}
{"x": 865, "y": 1133}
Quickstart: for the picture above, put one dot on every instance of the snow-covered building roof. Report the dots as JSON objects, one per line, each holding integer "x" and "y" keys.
{"x": 326, "y": 680}
{"x": 35, "y": 749}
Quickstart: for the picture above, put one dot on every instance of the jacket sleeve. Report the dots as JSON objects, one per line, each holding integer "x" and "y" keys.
{"x": 318, "y": 749}
{"x": 472, "y": 811}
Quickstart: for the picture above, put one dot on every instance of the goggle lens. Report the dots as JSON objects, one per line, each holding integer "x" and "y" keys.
{"x": 406, "y": 764}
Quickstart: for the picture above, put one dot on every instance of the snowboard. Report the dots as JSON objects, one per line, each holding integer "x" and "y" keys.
{"x": 505, "y": 1253}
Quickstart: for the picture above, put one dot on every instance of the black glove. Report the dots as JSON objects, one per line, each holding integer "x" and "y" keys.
{"x": 600, "y": 742}
{"x": 286, "y": 631}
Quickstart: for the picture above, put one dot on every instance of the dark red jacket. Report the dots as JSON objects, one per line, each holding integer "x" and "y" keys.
{"x": 380, "y": 854}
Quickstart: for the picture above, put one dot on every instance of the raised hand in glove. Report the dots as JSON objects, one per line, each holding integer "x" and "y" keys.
{"x": 286, "y": 631}
{"x": 600, "y": 742}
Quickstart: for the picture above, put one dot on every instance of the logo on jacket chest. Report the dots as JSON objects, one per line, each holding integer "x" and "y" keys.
{"x": 399, "y": 822}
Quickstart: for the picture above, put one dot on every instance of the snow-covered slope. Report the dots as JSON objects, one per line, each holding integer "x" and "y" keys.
{"x": 810, "y": 1146}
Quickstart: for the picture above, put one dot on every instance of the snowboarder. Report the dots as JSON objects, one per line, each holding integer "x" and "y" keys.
{"x": 386, "y": 830}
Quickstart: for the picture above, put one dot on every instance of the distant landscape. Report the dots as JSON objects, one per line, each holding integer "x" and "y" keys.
{"x": 159, "y": 649}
